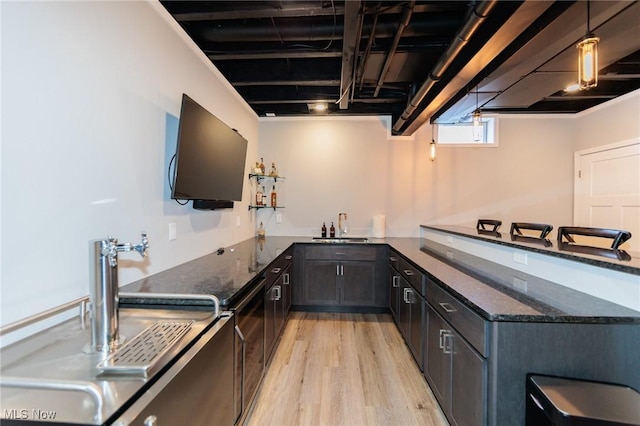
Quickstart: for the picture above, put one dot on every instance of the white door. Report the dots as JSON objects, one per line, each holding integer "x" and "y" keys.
{"x": 607, "y": 190}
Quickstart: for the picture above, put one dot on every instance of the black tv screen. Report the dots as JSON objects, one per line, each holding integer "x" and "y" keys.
{"x": 210, "y": 157}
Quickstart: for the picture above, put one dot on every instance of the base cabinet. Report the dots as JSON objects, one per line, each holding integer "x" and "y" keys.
{"x": 337, "y": 276}
{"x": 277, "y": 301}
{"x": 456, "y": 373}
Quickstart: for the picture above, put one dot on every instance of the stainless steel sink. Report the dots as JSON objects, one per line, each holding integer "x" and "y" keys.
{"x": 341, "y": 240}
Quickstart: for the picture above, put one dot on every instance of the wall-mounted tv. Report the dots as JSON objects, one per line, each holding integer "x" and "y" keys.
{"x": 210, "y": 159}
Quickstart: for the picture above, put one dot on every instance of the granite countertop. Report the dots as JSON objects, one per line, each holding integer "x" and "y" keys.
{"x": 483, "y": 286}
{"x": 618, "y": 260}
{"x": 223, "y": 275}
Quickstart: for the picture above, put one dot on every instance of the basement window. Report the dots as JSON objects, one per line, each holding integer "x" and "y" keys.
{"x": 461, "y": 133}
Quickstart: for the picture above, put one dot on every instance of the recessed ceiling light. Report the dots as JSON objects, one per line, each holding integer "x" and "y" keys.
{"x": 319, "y": 107}
{"x": 270, "y": 114}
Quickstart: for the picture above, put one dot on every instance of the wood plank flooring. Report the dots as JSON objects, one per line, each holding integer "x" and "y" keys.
{"x": 343, "y": 369}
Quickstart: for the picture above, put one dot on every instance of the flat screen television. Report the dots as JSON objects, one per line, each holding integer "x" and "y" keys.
{"x": 210, "y": 159}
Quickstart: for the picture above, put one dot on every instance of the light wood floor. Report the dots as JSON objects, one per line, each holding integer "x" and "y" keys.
{"x": 344, "y": 369}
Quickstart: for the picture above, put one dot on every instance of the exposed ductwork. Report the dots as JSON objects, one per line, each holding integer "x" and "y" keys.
{"x": 479, "y": 13}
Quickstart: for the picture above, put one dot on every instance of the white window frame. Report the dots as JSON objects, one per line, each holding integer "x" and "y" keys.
{"x": 490, "y": 128}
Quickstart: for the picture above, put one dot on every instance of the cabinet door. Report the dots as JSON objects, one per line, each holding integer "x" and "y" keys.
{"x": 269, "y": 320}
{"x": 438, "y": 368}
{"x": 358, "y": 283}
{"x": 279, "y": 307}
{"x": 416, "y": 327}
{"x": 394, "y": 291}
{"x": 404, "y": 308}
{"x": 286, "y": 290}
{"x": 320, "y": 282}
{"x": 468, "y": 384}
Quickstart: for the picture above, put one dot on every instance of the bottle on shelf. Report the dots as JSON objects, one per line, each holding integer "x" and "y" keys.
{"x": 324, "y": 230}
{"x": 274, "y": 197}
{"x": 264, "y": 197}
{"x": 332, "y": 231}
{"x": 274, "y": 171}
{"x": 259, "y": 197}
{"x": 262, "y": 168}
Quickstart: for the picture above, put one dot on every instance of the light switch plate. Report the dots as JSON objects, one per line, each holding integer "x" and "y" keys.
{"x": 520, "y": 258}
{"x": 278, "y": 218}
{"x": 172, "y": 231}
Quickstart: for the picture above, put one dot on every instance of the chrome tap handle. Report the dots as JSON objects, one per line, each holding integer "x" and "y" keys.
{"x": 143, "y": 246}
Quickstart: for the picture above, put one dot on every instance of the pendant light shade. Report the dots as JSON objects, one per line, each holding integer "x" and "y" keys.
{"x": 588, "y": 62}
{"x": 432, "y": 145}
{"x": 588, "y": 57}
{"x": 476, "y": 120}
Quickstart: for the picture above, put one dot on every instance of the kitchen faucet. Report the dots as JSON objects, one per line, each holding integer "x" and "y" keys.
{"x": 104, "y": 291}
{"x": 342, "y": 224}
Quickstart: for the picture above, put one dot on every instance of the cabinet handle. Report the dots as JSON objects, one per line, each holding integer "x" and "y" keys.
{"x": 150, "y": 421}
{"x": 395, "y": 281}
{"x": 276, "y": 270}
{"x": 407, "y": 292}
{"x": 244, "y": 358}
{"x": 408, "y": 272}
{"x": 340, "y": 253}
{"x": 278, "y": 292}
{"x": 288, "y": 257}
{"x": 448, "y": 343}
{"x": 338, "y": 270}
{"x": 442, "y": 334}
{"x": 286, "y": 279}
{"x": 393, "y": 259}
{"x": 341, "y": 269}
{"x": 447, "y": 307}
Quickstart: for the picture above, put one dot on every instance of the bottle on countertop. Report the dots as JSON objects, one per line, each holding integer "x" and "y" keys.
{"x": 324, "y": 230}
{"x": 264, "y": 197}
{"x": 261, "y": 232}
{"x": 259, "y": 197}
{"x": 332, "y": 231}
{"x": 274, "y": 197}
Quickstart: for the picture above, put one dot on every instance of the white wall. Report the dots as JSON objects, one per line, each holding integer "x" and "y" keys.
{"x": 614, "y": 121}
{"x": 352, "y": 165}
{"x": 89, "y": 120}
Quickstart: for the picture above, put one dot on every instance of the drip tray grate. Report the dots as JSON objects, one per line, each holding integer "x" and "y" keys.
{"x": 139, "y": 354}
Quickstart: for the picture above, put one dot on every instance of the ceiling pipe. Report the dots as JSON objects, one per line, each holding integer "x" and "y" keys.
{"x": 404, "y": 22}
{"x": 480, "y": 11}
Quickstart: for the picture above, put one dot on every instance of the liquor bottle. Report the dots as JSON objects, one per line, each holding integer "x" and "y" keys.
{"x": 324, "y": 230}
{"x": 258, "y": 197}
{"x": 274, "y": 197}
{"x": 264, "y": 197}
{"x": 262, "y": 168}
{"x": 332, "y": 231}
{"x": 274, "y": 171}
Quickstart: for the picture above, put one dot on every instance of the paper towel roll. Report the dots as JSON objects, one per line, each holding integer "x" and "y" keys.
{"x": 378, "y": 226}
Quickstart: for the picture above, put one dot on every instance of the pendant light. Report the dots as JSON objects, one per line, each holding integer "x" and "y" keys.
{"x": 588, "y": 57}
{"x": 477, "y": 121}
{"x": 432, "y": 145}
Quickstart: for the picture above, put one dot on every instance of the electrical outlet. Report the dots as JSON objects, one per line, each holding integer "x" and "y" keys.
{"x": 449, "y": 239}
{"x": 520, "y": 258}
{"x": 278, "y": 218}
{"x": 520, "y": 284}
{"x": 172, "y": 231}
{"x": 237, "y": 220}
{"x": 449, "y": 254}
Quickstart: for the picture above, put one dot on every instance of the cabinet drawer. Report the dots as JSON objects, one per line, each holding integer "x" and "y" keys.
{"x": 412, "y": 275}
{"x": 278, "y": 265}
{"x": 393, "y": 258}
{"x": 340, "y": 252}
{"x": 469, "y": 324}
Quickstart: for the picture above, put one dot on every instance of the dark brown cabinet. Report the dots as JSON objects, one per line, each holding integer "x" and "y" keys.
{"x": 456, "y": 373}
{"x": 278, "y": 296}
{"x": 340, "y": 276}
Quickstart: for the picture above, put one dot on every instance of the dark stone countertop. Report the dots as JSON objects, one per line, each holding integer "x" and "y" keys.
{"x": 484, "y": 286}
{"x": 617, "y": 260}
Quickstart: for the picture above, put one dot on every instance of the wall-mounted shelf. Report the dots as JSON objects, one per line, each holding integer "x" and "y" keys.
{"x": 268, "y": 177}
{"x": 265, "y": 207}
